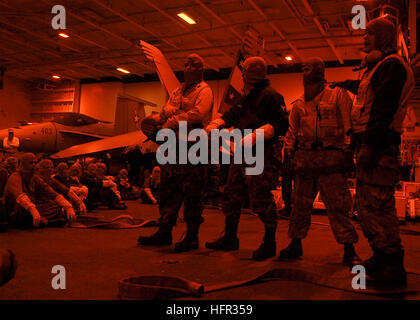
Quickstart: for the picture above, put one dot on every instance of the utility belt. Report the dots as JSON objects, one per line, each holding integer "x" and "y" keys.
{"x": 312, "y": 163}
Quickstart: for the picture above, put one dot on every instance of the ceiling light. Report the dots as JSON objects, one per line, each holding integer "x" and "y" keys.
{"x": 56, "y": 77}
{"x": 186, "y": 18}
{"x": 288, "y": 58}
{"x": 63, "y": 35}
{"x": 123, "y": 70}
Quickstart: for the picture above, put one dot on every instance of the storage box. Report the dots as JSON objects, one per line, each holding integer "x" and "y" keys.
{"x": 411, "y": 189}
{"x": 401, "y": 207}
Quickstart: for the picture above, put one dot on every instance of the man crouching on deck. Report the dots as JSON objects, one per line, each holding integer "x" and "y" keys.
{"x": 31, "y": 202}
{"x": 260, "y": 109}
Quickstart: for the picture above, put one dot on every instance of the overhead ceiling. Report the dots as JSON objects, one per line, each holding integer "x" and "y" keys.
{"x": 104, "y": 34}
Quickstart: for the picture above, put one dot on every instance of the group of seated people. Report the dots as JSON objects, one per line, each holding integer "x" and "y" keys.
{"x": 34, "y": 193}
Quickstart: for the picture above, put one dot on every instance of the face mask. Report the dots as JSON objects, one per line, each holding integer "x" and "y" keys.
{"x": 313, "y": 78}
{"x": 193, "y": 71}
{"x": 384, "y": 32}
{"x": 254, "y": 70}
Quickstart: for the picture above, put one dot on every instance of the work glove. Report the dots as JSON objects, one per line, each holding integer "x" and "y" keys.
{"x": 76, "y": 201}
{"x": 169, "y": 111}
{"x": 26, "y": 203}
{"x": 68, "y": 209}
{"x": 150, "y": 126}
{"x": 36, "y": 217}
{"x": 108, "y": 184}
{"x": 215, "y": 124}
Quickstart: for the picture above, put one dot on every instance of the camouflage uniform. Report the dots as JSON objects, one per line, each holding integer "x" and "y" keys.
{"x": 263, "y": 105}
{"x": 376, "y": 202}
{"x": 41, "y": 194}
{"x": 320, "y": 161}
{"x": 181, "y": 183}
{"x": 258, "y": 187}
{"x": 324, "y": 168}
{"x": 377, "y": 116}
{"x": 184, "y": 182}
{"x": 192, "y": 103}
{"x": 212, "y": 184}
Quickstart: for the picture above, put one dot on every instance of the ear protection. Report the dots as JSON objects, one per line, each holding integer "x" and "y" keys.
{"x": 373, "y": 57}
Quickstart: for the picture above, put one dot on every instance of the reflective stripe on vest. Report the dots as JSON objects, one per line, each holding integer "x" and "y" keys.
{"x": 362, "y": 105}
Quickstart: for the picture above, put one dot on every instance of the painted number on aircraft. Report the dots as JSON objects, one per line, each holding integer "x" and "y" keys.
{"x": 46, "y": 131}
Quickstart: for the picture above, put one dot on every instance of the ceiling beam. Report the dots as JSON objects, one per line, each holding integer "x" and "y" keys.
{"x": 322, "y": 31}
{"x": 100, "y": 71}
{"x": 126, "y": 18}
{"x": 121, "y": 38}
{"x": 276, "y": 29}
{"x": 179, "y": 23}
{"x": 223, "y": 23}
{"x": 37, "y": 48}
{"x": 218, "y": 18}
{"x": 36, "y": 34}
{"x": 293, "y": 11}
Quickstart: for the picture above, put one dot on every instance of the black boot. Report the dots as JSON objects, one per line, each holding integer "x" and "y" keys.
{"x": 267, "y": 248}
{"x": 350, "y": 257}
{"x": 293, "y": 251}
{"x": 162, "y": 237}
{"x": 286, "y": 211}
{"x": 190, "y": 242}
{"x": 229, "y": 241}
{"x": 386, "y": 269}
{"x": 8, "y": 266}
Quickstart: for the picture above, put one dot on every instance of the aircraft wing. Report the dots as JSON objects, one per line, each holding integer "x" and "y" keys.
{"x": 81, "y": 133}
{"x": 166, "y": 75}
{"x": 107, "y": 144}
{"x": 252, "y": 45}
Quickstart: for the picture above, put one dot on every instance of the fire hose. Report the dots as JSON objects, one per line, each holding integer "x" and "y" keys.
{"x": 166, "y": 287}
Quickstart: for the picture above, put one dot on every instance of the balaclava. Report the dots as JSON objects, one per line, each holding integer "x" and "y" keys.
{"x": 194, "y": 70}
{"x": 254, "y": 70}
{"x": 123, "y": 174}
{"x": 45, "y": 168}
{"x": 313, "y": 77}
{"x": 62, "y": 170}
{"x": 385, "y": 40}
{"x": 385, "y": 36}
{"x": 101, "y": 169}
{"x": 91, "y": 169}
{"x": 75, "y": 170}
{"x": 27, "y": 163}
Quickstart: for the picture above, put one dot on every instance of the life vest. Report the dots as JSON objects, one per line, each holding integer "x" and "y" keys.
{"x": 322, "y": 120}
{"x": 362, "y": 105}
{"x": 187, "y": 101}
